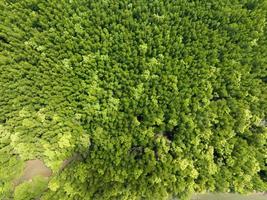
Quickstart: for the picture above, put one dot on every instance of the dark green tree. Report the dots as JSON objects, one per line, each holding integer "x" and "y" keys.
{"x": 158, "y": 99}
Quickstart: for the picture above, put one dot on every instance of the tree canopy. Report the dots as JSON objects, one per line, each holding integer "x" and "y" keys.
{"x": 159, "y": 99}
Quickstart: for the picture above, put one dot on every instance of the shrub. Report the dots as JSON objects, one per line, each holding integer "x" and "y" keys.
{"x": 159, "y": 98}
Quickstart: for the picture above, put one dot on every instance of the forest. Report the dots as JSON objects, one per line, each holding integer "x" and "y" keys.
{"x": 140, "y": 100}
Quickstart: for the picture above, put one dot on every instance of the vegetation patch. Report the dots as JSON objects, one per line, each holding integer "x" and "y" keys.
{"x": 159, "y": 99}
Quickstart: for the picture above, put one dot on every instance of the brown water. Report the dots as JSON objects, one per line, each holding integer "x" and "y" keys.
{"x": 37, "y": 167}
{"x": 225, "y": 196}
{"x": 33, "y": 168}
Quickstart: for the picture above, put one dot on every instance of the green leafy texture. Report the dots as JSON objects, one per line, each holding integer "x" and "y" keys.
{"x": 11, "y": 166}
{"x": 160, "y": 98}
{"x": 31, "y": 189}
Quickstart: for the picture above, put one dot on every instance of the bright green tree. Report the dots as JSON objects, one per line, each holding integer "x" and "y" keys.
{"x": 157, "y": 98}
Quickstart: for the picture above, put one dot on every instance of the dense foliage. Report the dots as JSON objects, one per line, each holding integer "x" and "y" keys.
{"x": 158, "y": 98}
